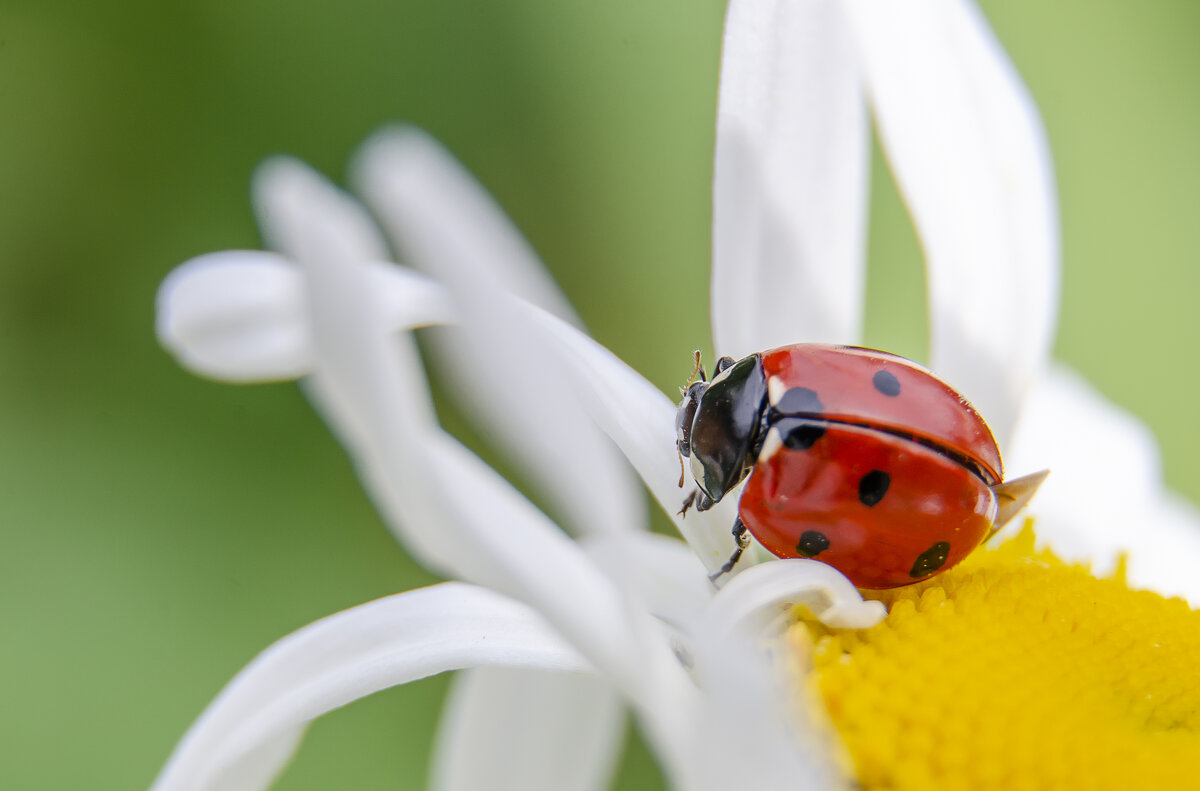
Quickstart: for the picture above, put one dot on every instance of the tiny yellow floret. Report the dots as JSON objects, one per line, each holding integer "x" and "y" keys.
{"x": 1015, "y": 670}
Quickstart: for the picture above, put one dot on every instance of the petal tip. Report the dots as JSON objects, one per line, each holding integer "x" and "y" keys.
{"x": 234, "y": 316}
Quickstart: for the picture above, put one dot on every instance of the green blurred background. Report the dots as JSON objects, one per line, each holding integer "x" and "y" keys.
{"x": 159, "y": 530}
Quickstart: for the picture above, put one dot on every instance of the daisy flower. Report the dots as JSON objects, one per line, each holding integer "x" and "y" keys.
{"x": 559, "y": 630}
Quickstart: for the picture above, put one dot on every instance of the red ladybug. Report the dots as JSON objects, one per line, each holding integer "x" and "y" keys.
{"x": 855, "y": 457}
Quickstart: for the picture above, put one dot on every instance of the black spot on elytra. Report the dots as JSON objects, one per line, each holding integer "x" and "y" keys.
{"x": 931, "y": 560}
{"x": 873, "y": 486}
{"x": 886, "y": 383}
{"x": 812, "y": 543}
{"x": 801, "y": 436}
{"x": 799, "y": 401}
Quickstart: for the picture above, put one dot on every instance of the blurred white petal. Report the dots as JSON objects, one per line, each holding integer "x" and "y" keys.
{"x": 522, "y": 730}
{"x": 790, "y": 179}
{"x": 970, "y": 155}
{"x": 1105, "y": 493}
{"x": 288, "y": 195}
{"x": 245, "y": 736}
{"x": 763, "y": 593}
{"x": 236, "y": 316}
{"x": 239, "y": 315}
{"x": 442, "y": 221}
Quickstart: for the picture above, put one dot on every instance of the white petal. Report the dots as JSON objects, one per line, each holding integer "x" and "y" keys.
{"x": 761, "y": 594}
{"x": 239, "y": 316}
{"x": 641, "y": 421}
{"x": 248, "y": 733}
{"x": 523, "y": 730}
{"x": 1104, "y": 494}
{"x": 790, "y": 179}
{"x": 445, "y": 223}
{"x": 236, "y": 316}
{"x": 969, "y": 152}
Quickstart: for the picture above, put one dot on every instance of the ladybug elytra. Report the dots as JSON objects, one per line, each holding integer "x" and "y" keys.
{"x": 859, "y": 458}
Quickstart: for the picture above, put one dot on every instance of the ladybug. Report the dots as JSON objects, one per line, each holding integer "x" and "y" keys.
{"x": 859, "y": 458}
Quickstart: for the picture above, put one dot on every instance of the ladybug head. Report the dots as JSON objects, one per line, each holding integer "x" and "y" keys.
{"x": 718, "y": 422}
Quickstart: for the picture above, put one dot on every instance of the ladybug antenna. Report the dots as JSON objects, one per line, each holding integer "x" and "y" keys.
{"x": 697, "y": 371}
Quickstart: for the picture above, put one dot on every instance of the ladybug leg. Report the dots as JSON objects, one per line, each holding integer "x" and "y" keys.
{"x": 723, "y": 363}
{"x": 697, "y": 498}
{"x": 688, "y": 502}
{"x": 742, "y": 536}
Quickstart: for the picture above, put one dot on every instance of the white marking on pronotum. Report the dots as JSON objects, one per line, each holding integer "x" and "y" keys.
{"x": 775, "y": 389}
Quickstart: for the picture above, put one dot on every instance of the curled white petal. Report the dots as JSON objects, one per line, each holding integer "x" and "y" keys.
{"x": 759, "y": 595}
{"x": 236, "y": 316}
{"x": 527, "y": 730}
{"x": 1104, "y": 494}
{"x": 245, "y": 737}
{"x": 790, "y": 179}
{"x": 239, "y": 316}
{"x": 967, "y": 146}
{"x": 443, "y": 222}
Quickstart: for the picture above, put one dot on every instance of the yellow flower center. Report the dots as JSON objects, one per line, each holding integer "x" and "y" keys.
{"x": 1015, "y": 670}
